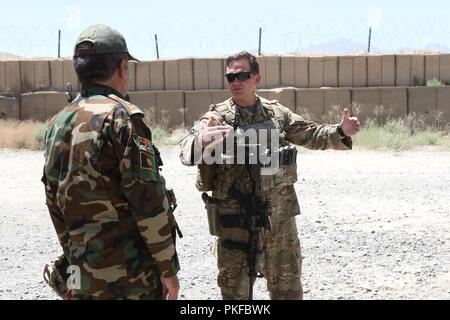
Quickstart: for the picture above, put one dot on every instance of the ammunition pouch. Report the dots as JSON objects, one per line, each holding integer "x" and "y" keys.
{"x": 286, "y": 175}
{"x": 58, "y": 276}
{"x": 287, "y": 171}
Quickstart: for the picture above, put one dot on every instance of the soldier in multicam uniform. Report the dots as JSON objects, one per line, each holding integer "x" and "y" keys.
{"x": 280, "y": 258}
{"x": 106, "y": 197}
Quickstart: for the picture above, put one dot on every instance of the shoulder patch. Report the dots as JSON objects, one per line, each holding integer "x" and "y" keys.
{"x": 146, "y": 154}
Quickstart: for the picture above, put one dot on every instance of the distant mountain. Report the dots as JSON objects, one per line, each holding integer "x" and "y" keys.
{"x": 342, "y": 46}
{"x": 437, "y": 47}
{"x": 432, "y": 48}
{"x": 345, "y": 46}
{"x": 8, "y": 56}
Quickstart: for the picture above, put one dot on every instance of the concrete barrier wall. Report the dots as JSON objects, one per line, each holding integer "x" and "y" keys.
{"x": 24, "y": 76}
{"x": 10, "y": 72}
{"x": 340, "y": 97}
{"x": 287, "y": 65}
{"x": 163, "y": 107}
{"x": 345, "y": 71}
{"x": 388, "y": 70}
{"x": 444, "y": 68}
{"x": 146, "y": 100}
{"x": 174, "y": 108}
{"x": 9, "y": 108}
{"x": 330, "y": 72}
{"x": 395, "y": 101}
{"x": 423, "y": 101}
{"x": 316, "y": 72}
{"x": 432, "y": 67}
{"x": 360, "y": 71}
{"x": 403, "y": 70}
{"x": 366, "y": 99}
{"x": 417, "y": 70}
{"x": 33, "y": 89}
{"x": 374, "y": 71}
{"x": 310, "y": 101}
{"x": 443, "y": 103}
{"x": 41, "y": 106}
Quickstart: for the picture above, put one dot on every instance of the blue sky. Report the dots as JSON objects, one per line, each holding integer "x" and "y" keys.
{"x": 216, "y": 28}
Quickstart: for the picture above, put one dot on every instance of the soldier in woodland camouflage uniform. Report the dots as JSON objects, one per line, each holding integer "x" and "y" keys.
{"x": 280, "y": 258}
{"x": 106, "y": 197}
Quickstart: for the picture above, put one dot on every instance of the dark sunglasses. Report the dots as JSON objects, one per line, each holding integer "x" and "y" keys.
{"x": 241, "y": 76}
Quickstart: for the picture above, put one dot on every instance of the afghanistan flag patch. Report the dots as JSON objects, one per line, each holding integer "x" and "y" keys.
{"x": 146, "y": 154}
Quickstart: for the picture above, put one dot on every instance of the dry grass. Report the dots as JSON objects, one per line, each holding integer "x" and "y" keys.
{"x": 22, "y": 134}
{"x": 16, "y": 134}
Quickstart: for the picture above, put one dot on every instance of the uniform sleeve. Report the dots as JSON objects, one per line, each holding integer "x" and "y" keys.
{"x": 144, "y": 188}
{"x": 56, "y": 215}
{"x": 190, "y": 150}
{"x": 312, "y": 135}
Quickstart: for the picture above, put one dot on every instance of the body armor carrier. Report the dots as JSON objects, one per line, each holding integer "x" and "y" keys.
{"x": 231, "y": 182}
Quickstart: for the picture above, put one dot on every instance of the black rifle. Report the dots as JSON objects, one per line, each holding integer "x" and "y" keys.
{"x": 256, "y": 208}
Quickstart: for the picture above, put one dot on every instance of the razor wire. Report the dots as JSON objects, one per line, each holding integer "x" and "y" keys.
{"x": 220, "y": 38}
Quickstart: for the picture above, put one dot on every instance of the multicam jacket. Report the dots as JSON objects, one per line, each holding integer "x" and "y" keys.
{"x": 106, "y": 197}
{"x": 292, "y": 128}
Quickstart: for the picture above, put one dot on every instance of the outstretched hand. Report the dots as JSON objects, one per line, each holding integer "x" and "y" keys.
{"x": 350, "y": 125}
{"x": 212, "y": 133}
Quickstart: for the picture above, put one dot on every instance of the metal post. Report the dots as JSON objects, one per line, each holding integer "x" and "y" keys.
{"x": 157, "y": 48}
{"x": 370, "y": 38}
{"x": 259, "y": 47}
{"x": 59, "y": 44}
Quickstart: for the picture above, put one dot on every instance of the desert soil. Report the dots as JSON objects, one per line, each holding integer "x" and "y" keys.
{"x": 374, "y": 225}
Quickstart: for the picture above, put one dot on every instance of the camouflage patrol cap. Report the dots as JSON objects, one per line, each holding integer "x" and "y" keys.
{"x": 100, "y": 39}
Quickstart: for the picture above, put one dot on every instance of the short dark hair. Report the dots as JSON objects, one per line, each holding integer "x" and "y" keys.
{"x": 97, "y": 67}
{"x": 254, "y": 66}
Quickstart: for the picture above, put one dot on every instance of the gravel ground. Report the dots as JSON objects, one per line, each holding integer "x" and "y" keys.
{"x": 374, "y": 225}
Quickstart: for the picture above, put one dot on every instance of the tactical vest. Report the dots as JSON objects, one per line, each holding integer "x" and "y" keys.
{"x": 227, "y": 174}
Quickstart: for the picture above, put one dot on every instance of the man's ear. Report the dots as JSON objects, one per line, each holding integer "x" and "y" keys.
{"x": 123, "y": 69}
{"x": 257, "y": 79}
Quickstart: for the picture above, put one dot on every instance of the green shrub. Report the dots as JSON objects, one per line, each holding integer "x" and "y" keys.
{"x": 435, "y": 83}
{"x": 399, "y": 135}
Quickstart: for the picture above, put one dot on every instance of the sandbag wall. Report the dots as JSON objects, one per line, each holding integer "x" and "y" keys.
{"x": 178, "y": 91}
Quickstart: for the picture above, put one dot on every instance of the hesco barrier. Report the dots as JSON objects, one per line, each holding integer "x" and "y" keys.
{"x": 181, "y": 108}
{"x": 176, "y": 92}
{"x": 24, "y": 76}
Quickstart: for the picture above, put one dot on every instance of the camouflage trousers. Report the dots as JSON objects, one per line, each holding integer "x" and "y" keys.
{"x": 280, "y": 261}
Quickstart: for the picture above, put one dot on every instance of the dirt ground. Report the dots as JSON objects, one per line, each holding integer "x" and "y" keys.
{"x": 374, "y": 225}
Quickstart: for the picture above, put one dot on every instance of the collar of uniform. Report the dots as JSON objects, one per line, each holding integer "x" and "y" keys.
{"x": 260, "y": 112}
{"x": 99, "y": 90}
{"x": 259, "y": 106}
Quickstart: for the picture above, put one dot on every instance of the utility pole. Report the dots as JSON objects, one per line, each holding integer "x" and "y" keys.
{"x": 157, "y": 48}
{"x": 59, "y": 44}
{"x": 370, "y": 38}
{"x": 259, "y": 46}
